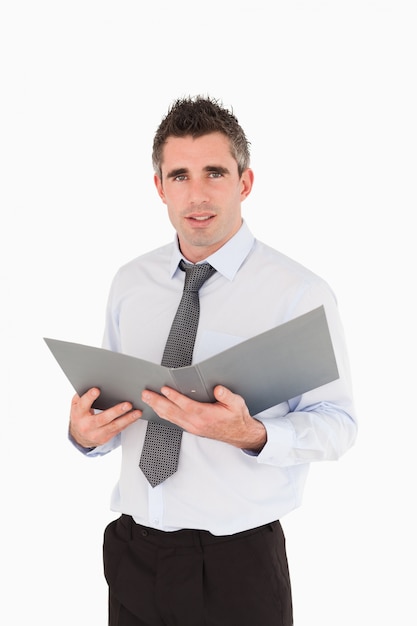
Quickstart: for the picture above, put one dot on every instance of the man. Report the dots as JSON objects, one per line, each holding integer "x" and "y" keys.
{"x": 204, "y": 546}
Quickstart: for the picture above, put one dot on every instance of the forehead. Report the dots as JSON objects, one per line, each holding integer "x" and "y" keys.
{"x": 198, "y": 151}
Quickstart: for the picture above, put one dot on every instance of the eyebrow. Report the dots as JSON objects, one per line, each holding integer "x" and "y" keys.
{"x": 209, "y": 168}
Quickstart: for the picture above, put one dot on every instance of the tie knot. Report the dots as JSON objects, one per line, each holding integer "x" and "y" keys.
{"x": 196, "y": 275}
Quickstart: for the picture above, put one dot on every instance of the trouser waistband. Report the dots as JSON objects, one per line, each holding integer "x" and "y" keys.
{"x": 187, "y": 537}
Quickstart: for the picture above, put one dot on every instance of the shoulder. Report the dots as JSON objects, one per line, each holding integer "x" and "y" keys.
{"x": 147, "y": 261}
{"x": 274, "y": 272}
{"x": 264, "y": 256}
{"x": 145, "y": 270}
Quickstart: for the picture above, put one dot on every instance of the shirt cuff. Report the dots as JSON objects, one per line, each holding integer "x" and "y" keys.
{"x": 77, "y": 445}
{"x": 279, "y": 443}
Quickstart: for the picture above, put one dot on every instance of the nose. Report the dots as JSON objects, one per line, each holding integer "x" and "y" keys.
{"x": 198, "y": 192}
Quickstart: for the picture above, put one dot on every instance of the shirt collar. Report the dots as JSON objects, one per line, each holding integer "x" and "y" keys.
{"x": 228, "y": 258}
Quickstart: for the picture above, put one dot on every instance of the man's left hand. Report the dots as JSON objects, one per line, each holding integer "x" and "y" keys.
{"x": 226, "y": 420}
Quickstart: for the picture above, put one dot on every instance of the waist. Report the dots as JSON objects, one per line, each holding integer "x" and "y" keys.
{"x": 187, "y": 537}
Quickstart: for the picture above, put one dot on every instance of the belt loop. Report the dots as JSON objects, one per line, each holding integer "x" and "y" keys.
{"x": 198, "y": 539}
{"x": 129, "y": 523}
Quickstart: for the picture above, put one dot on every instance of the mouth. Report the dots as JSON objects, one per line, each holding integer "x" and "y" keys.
{"x": 200, "y": 219}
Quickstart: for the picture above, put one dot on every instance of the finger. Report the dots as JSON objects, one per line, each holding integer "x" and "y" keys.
{"x": 124, "y": 409}
{"x": 120, "y": 421}
{"x": 224, "y": 395}
{"x": 170, "y": 405}
{"x": 177, "y": 400}
{"x": 157, "y": 401}
{"x": 176, "y": 397}
{"x": 84, "y": 402}
{"x": 229, "y": 400}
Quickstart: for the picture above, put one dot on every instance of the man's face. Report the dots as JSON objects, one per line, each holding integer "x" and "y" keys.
{"x": 203, "y": 192}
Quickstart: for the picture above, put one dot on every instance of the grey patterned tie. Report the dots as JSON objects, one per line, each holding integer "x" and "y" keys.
{"x": 161, "y": 448}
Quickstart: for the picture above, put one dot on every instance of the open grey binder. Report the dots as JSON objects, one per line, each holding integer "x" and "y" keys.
{"x": 267, "y": 369}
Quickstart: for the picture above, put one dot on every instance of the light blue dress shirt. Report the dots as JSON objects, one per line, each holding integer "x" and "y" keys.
{"x": 218, "y": 487}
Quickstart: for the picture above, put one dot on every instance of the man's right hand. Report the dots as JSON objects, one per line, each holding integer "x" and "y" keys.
{"x": 90, "y": 429}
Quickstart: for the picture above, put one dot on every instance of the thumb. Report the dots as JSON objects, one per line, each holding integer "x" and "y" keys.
{"x": 222, "y": 394}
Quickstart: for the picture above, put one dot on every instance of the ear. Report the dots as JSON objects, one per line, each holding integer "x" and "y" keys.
{"x": 246, "y": 181}
{"x": 159, "y": 188}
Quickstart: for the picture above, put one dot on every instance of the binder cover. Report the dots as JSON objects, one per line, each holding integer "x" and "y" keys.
{"x": 270, "y": 368}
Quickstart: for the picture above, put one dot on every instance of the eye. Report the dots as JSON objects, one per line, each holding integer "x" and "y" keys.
{"x": 216, "y": 171}
{"x": 180, "y": 177}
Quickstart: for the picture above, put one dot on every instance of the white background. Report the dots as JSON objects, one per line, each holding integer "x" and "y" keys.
{"x": 326, "y": 93}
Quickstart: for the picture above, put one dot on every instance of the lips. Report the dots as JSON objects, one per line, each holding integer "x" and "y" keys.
{"x": 200, "y": 216}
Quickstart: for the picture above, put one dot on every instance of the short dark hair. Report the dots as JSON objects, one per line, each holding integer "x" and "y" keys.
{"x": 198, "y": 116}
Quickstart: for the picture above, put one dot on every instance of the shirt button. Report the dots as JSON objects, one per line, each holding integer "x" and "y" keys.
{"x": 144, "y": 533}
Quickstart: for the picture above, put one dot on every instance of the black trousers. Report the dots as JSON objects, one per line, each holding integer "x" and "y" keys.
{"x": 193, "y": 578}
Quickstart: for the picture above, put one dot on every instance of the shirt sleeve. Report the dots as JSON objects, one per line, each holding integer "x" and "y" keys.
{"x": 319, "y": 425}
{"x": 98, "y": 450}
